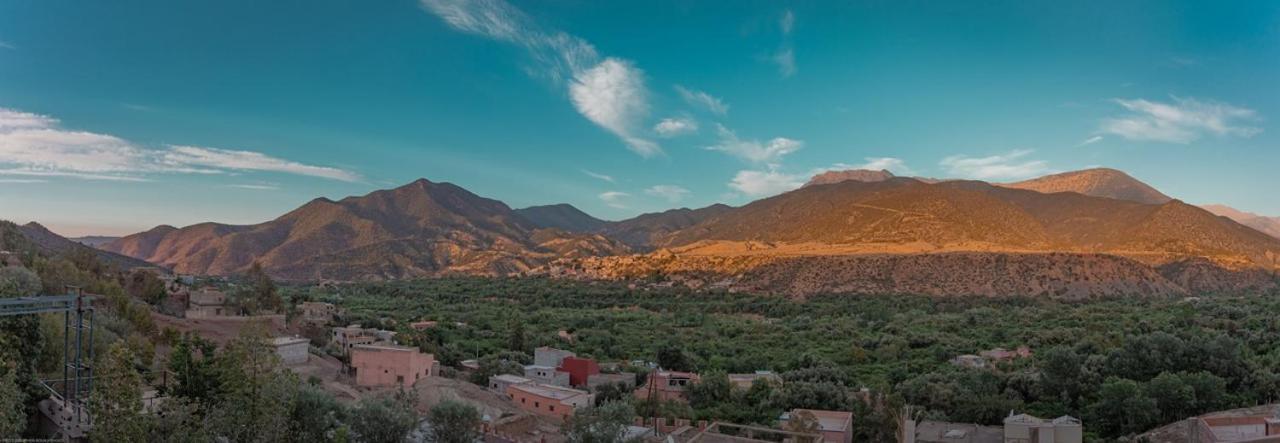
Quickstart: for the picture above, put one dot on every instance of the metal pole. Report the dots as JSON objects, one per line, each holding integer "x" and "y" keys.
{"x": 66, "y": 354}
{"x": 79, "y": 346}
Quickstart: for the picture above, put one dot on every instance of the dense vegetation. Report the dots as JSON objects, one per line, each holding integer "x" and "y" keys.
{"x": 1122, "y": 365}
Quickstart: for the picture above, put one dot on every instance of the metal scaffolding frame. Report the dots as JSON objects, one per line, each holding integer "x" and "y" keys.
{"x": 77, "y": 354}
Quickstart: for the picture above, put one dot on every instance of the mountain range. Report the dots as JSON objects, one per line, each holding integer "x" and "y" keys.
{"x": 1084, "y": 233}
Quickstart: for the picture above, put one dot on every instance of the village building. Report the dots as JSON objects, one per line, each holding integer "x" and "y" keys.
{"x": 667, "y": 386}
{"x": 627, "y": 379}
{"x": 835, "y": 426}
{"x": 579, "y": 370}
{"x": 744, "y": 381}
{"x": 547, "y": 375}
{"x": 1023, "y": 428}
{"x": 347, "y": 337}
{"x": 548, "y": 356}
{"x": 423, "y": 325}
{"x": 719, "y": 432}
{"x": 499, "y": 383}
{"x": 207, "y": 303}
{"x": 292, "y": 350}
{"x": 1018, "y": 428}
{"x": 317, "y": 312}
{"x": 551, "y": 401}
{"x": 389, "y": 365}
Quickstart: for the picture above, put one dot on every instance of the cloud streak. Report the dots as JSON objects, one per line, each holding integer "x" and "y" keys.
{"x": 702, "y": 100}
{"x": 1182, "y": 121}
{"x": 671, "y": 193}
{"x": 769, "y": 153}
{"x": 672, "y": 127}
{"x": 608, "y": 178}
{"x": 614, "y": 199}
{"x": 1008, "y": 166}
{"x": 36, "y": 145}
{"x": 609, "y": 92}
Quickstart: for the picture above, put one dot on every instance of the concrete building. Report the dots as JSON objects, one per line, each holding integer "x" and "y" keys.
{"x": 347, "y": 337}
{"x": 389, "y": 365}
{"x": 551, "y": 401}
{"x": 626, "y": 379}
{"x": 835, "y": 426}
{"x": 547, "y": 375}
{"x": 667, "y": 385}
{"x": 500, "y": 383}
{"x": 944, "y": 432}
{"x": 1254, "y": 424}
{"x": 548, "y": 356}
{"x": 744, "y": 381}
{"x": 293, "y": 350}
{"x": 318, "y": 312}
{"x": 207, "y": 303}
{"x": 579, "y": 369}
{"x": 1023, "y": 428}
{"x": 1018, "y": 428}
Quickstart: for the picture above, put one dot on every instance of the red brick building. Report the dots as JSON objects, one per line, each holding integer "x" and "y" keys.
{"x": 579, "y": 369}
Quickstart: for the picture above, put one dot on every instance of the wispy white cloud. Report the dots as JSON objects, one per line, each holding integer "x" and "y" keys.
{"x": 22, "y": 180}
{"x": 703, "y": 100}
{"x": 609, "y": 92}
{"x": 787, "y": 21}
{"x": 37, "y": 146}
{"x": 765, "y": 183}
{"x": 671, "y": 127}
{"x": 671, "y": 193}
{"x": 785, "y": 58}
{"x": 608, "y": 178}
{"x": 198, "y": 157}
{"x": 256, "y": 187}
{"x": 614, "y": 199}
{"x": 891, "y": 164}
{"x": 1090, "y": 140}
{"x": 1007, "y": 166}
{"x": 612, "y": 95}
{"x": 770, "y": 152}
{"x": 7, "y": 45}
{"x": 1183, "y": 120}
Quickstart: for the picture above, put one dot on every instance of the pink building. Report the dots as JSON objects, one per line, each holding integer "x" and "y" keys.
{"x": 553, "y": 401}
{"x": 389, "y": 365}
{"x": 667, "y": 385}
{"x": 579, "y": 369}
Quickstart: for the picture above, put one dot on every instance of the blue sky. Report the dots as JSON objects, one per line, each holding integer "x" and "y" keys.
{"x": 115, "y": 117}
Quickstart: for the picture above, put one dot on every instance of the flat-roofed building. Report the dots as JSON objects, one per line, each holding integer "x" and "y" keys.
{"x": 318, "y": 312}
{"x": 667, "y": 385}
{"x": 551, "y": 401}
{"x": 835, "y": 426}
{"x": 389, "y": 365}
{"x": 1023, "y": 428}
{"x": 579, "y": 369}
{"x": 207, "y": 303}
{"x": 292, "y": 350}
{"x": 499, "y": 383}
{"x": 548, "y": 356}
{"x": 547, "y": 375}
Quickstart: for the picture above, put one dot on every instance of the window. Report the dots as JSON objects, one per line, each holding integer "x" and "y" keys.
{"x": 553, "y": 408}
{"x": 399, "y": 379}
{"x": 537, "y": 404}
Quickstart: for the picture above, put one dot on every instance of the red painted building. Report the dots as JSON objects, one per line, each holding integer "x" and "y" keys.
{"x": 579, "y": 369}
